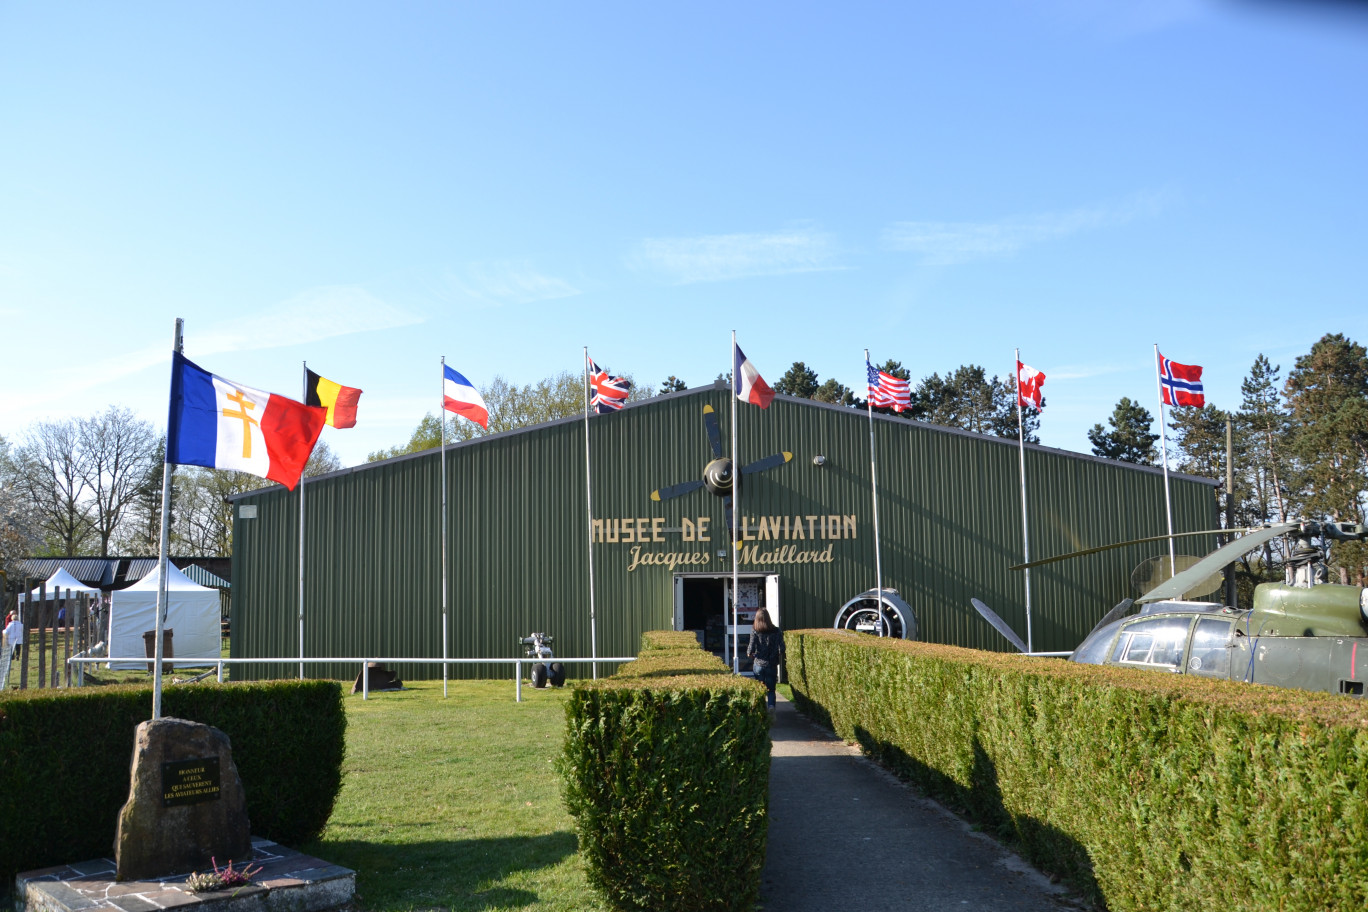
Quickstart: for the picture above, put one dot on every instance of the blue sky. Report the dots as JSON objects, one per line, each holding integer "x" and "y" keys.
{"x": 369, "y": 187}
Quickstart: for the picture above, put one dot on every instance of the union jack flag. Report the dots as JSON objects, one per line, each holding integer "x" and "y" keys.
{"x": 1181, "y": 383}
{"x": 609, "y": 393}
{"x": 887, "y": 391}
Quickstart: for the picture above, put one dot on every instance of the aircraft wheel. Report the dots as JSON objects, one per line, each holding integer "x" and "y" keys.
{"x": 557, "y": 674}
{"x": 539, "y": 675}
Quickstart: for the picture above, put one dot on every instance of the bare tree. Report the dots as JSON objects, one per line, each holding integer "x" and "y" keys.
{"x": 49, "y": 473}
{"x": 117, "y": 451}
{"x": 17, "y": 536}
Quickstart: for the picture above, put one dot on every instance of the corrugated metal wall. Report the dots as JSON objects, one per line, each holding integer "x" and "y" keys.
{"x": 950, "y": 518}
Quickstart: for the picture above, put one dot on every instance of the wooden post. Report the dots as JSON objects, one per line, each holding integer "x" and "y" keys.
{"x": 42, "y": 619}
{"x": 52, "y": 614}
{"x": 25, "y": 613}
{"x": 67, "y": 631}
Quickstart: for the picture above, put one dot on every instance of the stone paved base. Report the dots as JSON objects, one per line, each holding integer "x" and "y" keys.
{"x": 289, "y": 881}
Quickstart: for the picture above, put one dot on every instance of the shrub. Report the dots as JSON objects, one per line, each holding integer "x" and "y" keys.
{"x": 65, "y": 760}
{"x": 1147, "y": 791}
{"x": 666, "y": 769}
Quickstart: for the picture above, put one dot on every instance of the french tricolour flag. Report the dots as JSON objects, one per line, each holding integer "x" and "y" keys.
{"x": 747, "y": 383}
{"x": 459, "y": 395}
{"x": 219, "y": 424}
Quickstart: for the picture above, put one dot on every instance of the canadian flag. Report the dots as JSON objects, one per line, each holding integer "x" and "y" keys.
{"x": 1029, "y": 382}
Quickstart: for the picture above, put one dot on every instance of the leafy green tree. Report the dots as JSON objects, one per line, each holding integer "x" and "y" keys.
{"x": 968, "y": 398}
{"x": 799, "y": 380}
{"x": 672, "y": 384}
{"x": 1129, "y": 439}
{"x": 1199, "y": 441}
{"x": 1327, "y": 395}
{"x": 1263, "y": 431}
{"x": 834, "y": 392}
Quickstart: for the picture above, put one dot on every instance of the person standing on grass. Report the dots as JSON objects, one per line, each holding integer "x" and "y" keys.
{"x": 14, "y": 634}
{"x": 766, "y": 649}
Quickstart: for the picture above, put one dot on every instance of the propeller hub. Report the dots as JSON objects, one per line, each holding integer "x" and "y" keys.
{"x": 717, "y": 477}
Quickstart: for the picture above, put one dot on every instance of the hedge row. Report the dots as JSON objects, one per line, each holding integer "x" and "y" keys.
{"x": 1145, "y": 790}
{"x": 65, "y": 759}
{"x": 666, "y": 769}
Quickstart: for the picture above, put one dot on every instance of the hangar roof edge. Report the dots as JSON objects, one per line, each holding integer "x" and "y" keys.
{"x": 712, "y": 387}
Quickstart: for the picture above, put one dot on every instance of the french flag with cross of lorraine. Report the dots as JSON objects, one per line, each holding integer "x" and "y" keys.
{"x": 219, "y": 424}
{"x": 1181, "y": 383}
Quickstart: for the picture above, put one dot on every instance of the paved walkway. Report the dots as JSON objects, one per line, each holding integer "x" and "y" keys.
{"x": 837, "y": 820}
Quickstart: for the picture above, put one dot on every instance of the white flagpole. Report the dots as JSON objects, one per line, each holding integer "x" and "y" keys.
{"x": 874, "y": 478}
{"x": 441, "y": 416}
{"x": 1025, "y": 527}
{"x": 736, "y": 512}
{"x": 163, "y": 549}
{"x": 1163, "y": 431}
{"x": 303, "y": 399}
{"x": 589, "y": 510}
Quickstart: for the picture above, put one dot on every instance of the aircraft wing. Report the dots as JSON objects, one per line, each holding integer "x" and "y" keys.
{"x": 1174, "y": 587}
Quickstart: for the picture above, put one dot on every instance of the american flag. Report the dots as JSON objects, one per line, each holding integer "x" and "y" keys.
{"x": 610, "y": 393}
{"x": 887, "y": 391}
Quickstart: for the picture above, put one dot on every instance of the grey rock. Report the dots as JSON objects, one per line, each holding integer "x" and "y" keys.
{"x": 156, "y": 839}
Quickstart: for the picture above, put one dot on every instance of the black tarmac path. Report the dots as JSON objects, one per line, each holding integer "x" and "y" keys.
{"x": 847, "y": 836}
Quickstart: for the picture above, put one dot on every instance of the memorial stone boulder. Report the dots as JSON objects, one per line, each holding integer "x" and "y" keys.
{"x": 186, "y": 804}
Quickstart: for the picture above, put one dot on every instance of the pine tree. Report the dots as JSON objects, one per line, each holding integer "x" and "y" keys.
{"x": 672, "y": 384}
{"x": 1129, "y": 439}
{"x": 799, "y": 380}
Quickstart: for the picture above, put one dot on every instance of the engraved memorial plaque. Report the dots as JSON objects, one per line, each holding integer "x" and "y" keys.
{"x": 190, "y": 781}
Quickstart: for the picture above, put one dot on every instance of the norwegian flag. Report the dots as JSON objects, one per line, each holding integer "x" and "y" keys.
{"x": 886, "y": 390}
{"x": 610, "y": 393}
{"x": 1181, "y": 383}
{"x": 1029, "y": 382}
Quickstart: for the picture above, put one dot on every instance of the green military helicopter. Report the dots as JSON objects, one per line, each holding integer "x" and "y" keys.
{"x": 1304, "y": 633}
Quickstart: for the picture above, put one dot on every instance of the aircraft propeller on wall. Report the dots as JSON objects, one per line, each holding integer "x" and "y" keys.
{"x": 717, "y": 474}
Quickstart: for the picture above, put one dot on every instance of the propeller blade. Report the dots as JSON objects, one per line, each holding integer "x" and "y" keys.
{"x": 726, "y": 508}
{"x": 1124, "y": 544}
{"x": 676, "y": 490}
{"x": 999, "y": 624}
{"x": 714, "y": 431}
{"x": 769, "y": 462}
{"x": 1175, "y": 586}
{"x": 1116, "y": 613}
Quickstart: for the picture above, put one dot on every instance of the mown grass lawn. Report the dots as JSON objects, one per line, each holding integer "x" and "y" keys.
{"x": 454, "y": 803}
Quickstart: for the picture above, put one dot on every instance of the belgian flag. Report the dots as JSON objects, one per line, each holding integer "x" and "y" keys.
{"x": 339, "y": 400}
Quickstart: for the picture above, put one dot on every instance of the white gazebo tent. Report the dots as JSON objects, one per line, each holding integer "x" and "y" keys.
{"x": 58, "y": 584}
{"x": 192, "y": 611}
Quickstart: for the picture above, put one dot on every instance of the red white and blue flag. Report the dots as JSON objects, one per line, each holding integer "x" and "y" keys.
{"x": 888, "y": 391}
{"x": 459, "y": 395}
{"x": 747, "y": 383}
{"x": 219, "y": 424}
{"x": 1181, "y": 384}
{"x": 609, "y": 393}
{"x": 1029, "y": 382}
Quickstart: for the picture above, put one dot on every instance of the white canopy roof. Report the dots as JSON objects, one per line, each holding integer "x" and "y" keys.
{"x": 192, "y": 611}
{"x": 63, "y": 581}
{"x": 176, "y": 581}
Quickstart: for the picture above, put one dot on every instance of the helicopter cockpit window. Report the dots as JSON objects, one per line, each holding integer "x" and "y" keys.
{"x": 1153, "y": 641}
{"x": 1210, "y": 653}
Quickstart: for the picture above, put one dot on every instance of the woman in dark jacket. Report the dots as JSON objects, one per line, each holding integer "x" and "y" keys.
{"x": 767, "y": 650}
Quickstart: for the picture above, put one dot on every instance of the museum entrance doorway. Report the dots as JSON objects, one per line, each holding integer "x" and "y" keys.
{"x": 702, "y": 605}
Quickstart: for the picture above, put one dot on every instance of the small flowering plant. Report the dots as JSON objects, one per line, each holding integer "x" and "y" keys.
{"x": 224, "y": 879}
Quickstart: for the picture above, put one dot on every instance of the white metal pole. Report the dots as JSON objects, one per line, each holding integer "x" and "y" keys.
{"x": 1025, "y": 526}
{"x": 589, "y": 510}
{"x": 163, "y": 550}
{"x": 736, "y": 511}
{"x": 874, "y": 479}
{"x": 1163, "y": 432}
{"x": 305, "y": 398}
{"x": 441, "y": 417}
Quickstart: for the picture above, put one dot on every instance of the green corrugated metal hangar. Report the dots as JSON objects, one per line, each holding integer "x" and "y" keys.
{"x": 949, "y": 515}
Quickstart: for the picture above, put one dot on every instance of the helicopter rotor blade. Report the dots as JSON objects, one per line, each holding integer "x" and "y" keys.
{"x": 1121, "y": 610}
{"x": 1124, "y": 544}
{"x": 676, "y": 490}
{"x": 714, "y": 430}
{"x": 764, "y": 465}
{"x": 999, "y": 624}
{"x": 1175, "y": 586}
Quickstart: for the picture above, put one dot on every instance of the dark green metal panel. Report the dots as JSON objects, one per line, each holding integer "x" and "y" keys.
{"x": 950, "y": 517}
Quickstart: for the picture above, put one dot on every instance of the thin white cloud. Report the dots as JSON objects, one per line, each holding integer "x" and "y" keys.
{"x": 721, "y": 257}
{"x": 311, "y": 316}
{"x": 953, "y": 243}
{"x": 505, "y": 282}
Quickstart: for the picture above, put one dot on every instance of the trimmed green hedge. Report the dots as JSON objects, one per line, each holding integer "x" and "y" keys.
{"x": 1145, "y": 790}
{"x": 65, "y": 758}
{"x": 666, "y": 769}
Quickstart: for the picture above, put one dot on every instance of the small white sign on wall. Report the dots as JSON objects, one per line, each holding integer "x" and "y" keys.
{"x": 247, "y": 511}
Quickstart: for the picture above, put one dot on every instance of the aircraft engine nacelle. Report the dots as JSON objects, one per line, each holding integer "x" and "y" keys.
{"x": 861, "y": 614}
